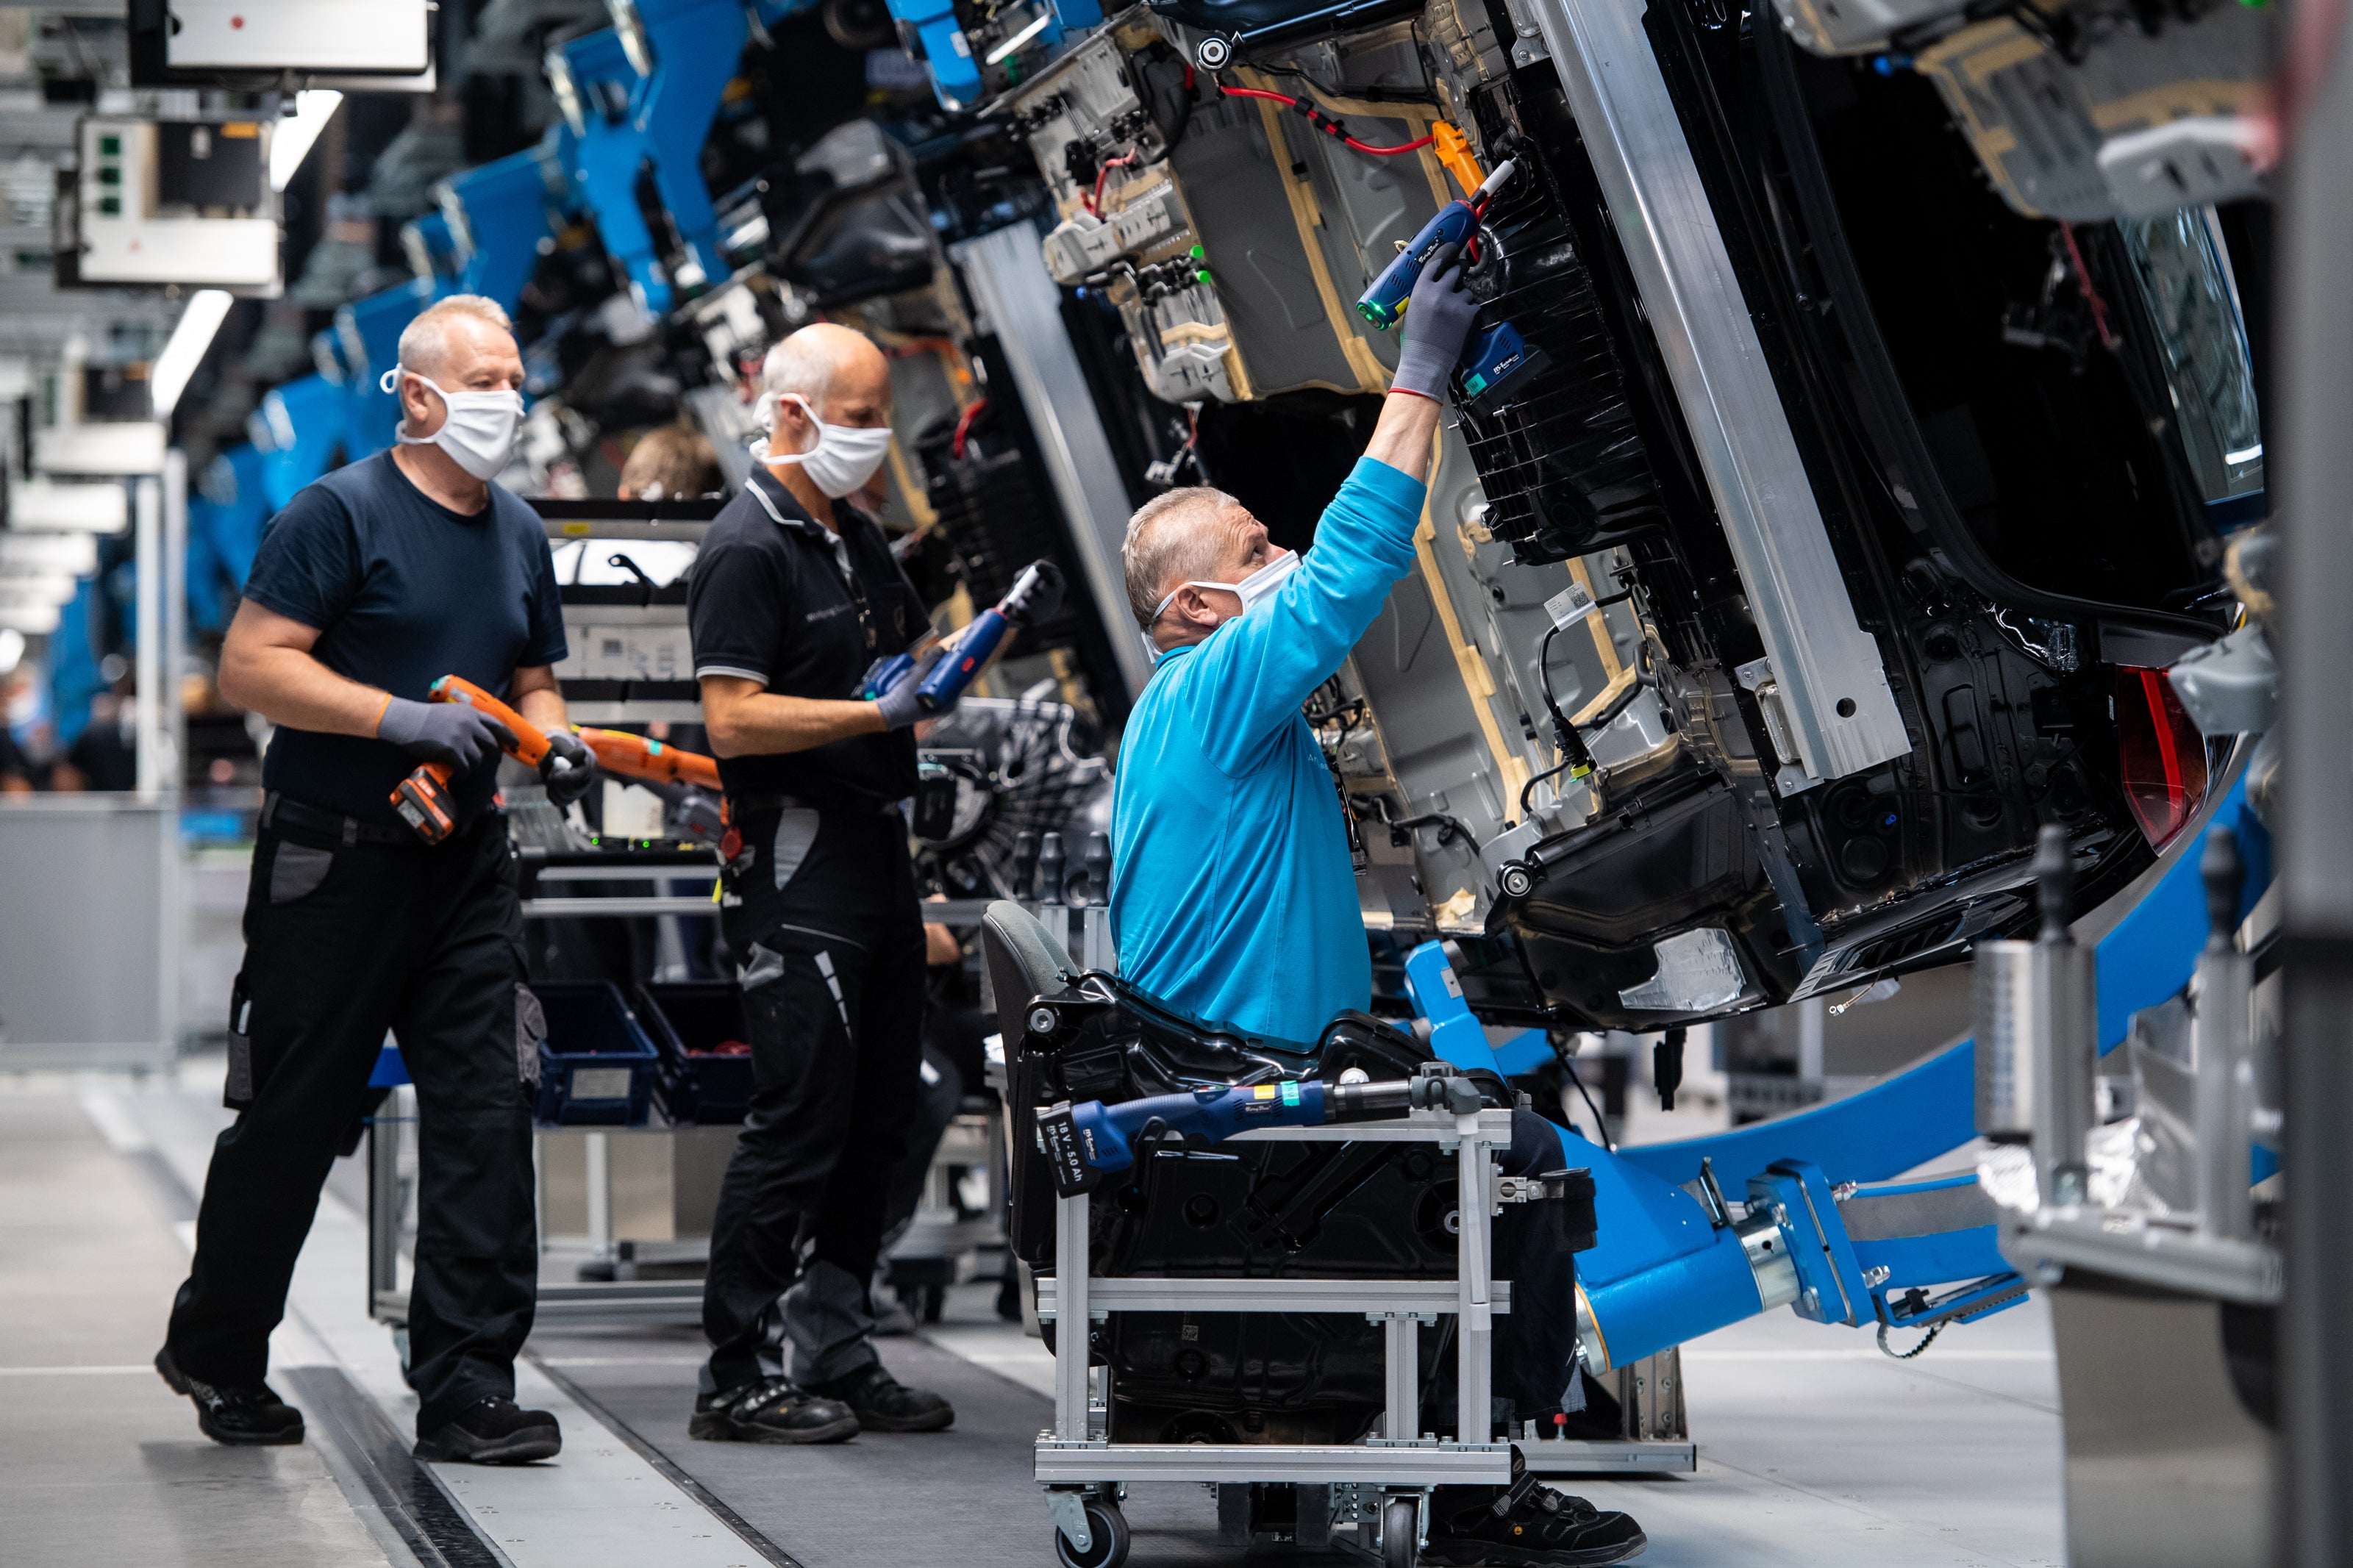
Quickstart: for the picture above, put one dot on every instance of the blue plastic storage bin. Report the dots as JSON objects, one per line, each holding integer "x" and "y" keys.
{"x": 598, "y": 1065}
{"x": 687, "y": 1019}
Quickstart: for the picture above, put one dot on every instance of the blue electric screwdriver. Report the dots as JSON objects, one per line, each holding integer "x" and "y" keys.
{"x": 1035, "y": 595}
{"x": 1383, "y": 303}
{"x": 1088, "y": 1144}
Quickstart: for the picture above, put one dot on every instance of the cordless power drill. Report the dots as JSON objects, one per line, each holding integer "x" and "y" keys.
{"x": 423, "y": 798}
{"x": 1035, "y": 595}
{"x": 1089, "y": 1143}
{"x": 1495, "y": 356}
{"x": 628, "y": 756}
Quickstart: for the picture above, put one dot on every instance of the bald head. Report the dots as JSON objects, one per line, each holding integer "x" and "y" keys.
{"x": 827, "y": 363}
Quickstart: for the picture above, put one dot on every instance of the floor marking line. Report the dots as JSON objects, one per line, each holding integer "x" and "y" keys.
{"x": 114, "y": 1124}
{"x": 664, "y": 1466}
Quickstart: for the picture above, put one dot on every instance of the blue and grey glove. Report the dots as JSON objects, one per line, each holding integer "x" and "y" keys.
{"x": 568, "y": 768}
{"x": 1437, "y": 325}
{"x": 897, "y": 704}
{"x": 449, "y": 732}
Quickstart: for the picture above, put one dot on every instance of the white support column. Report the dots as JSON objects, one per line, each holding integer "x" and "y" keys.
{"x": 1401, "y": 1372}
{"x": 1474, "y": 1410}
{"x": 147, "y": 605}
{"x": 1072, "y": 1384}
{"x": 598, "y": 1149}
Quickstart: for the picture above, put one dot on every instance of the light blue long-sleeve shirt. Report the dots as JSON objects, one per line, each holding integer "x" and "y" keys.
{"x": 1231, "y": 895}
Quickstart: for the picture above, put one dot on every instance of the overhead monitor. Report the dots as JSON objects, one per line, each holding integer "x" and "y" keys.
{"x": 184, "y": 202}
{"x": 249, "y": 44}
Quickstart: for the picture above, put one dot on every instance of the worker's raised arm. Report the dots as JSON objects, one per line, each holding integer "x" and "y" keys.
{"x": 1259, "y": 667}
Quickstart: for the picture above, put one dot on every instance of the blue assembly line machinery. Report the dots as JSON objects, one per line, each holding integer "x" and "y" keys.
{"x": 1827, "y": 1230}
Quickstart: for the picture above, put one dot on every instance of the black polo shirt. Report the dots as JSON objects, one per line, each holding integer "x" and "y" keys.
{"x": 776, "y": 597}
{"x": 402, "y": 591}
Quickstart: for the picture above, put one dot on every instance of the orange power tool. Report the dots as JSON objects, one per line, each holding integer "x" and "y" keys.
{"x": 636, "y": 757}
{"x": 423, "y": 798}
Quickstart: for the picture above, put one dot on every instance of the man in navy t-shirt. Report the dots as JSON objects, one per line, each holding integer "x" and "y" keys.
{"x": 370, "y": 584}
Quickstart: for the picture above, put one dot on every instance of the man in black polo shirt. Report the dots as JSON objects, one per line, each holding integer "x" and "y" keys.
{"x": 792, "y": 596}
{"x": 372, "y": 584}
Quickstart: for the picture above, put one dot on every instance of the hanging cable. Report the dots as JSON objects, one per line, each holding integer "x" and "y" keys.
{"x": 1103, "y": 172}
{"x": 1330, "y": 125}
{"x": 963, "y": 426}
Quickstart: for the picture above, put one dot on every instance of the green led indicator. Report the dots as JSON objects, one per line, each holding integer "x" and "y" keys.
{"x": 1202, "y": 276}
{"x": 1196, "y": 253}
{"x": 110, "y": 146}
{"x": 108, "y": 175}
{"x": 110, "y": 207}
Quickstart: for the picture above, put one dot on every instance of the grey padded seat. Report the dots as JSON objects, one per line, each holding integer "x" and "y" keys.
{"x": 1022, "y": 959}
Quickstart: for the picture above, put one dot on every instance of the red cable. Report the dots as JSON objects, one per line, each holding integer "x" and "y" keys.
{"x": 1315, "y": 118}
{"x": 2084, "y": 286}
{"x": 1095, "y": 202}
{"x": 963, "y": 428}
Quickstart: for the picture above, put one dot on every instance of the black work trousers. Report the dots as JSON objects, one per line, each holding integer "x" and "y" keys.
{"x": 820, "y": 911}
{"x": 343, "y": 943}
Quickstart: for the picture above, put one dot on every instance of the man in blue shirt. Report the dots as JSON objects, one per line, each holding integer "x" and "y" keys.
{"x": 1233, "y": 897}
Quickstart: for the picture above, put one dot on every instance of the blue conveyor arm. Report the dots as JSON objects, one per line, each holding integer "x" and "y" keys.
{"x": 1670, "y": 1263}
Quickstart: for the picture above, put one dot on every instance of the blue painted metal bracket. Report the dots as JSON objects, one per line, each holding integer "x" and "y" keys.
{"x": 959, "y": 76}
{"x": 697, "y": 47}
{"x": 1930, "y": 1109}
{"x": 498, "y": 214}
{"x": 1831, "y": 1286}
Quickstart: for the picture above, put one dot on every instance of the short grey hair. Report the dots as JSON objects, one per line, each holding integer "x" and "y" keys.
{"x": 1167, "y": 541}
{"x": 425, "y": 342}
{"x": 801, "y": 363}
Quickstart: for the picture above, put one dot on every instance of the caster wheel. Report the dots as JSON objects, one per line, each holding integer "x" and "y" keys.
{"x": 1401, "y": 1533}
{"x": 1107, "y": 1540}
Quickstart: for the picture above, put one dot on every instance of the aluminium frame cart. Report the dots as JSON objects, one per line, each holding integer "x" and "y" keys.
{"x": 1379, "y": 1487}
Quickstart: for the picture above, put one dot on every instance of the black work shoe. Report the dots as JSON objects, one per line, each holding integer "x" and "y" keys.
{"x": 772, "y": 1410}
{"x": 886, "y": 1405}
{"x": 248, "y": 1417}
{"x": 494, "y": 1431}
{"x": 1527, "y": 1525}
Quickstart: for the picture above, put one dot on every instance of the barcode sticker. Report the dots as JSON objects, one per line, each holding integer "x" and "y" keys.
{"x": 1569, "y": 605}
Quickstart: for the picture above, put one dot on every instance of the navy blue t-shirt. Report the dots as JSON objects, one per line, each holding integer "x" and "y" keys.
{"x": 402, "y": 591}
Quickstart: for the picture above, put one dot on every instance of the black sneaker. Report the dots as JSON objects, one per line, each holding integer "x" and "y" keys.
{"x": 494, "y": 1431}
{"x": 883, "y": 1403}
{"x": 1527, "y": 1525}
{"x": 771, "y": 1410}
{"x": 247, "y": 1417}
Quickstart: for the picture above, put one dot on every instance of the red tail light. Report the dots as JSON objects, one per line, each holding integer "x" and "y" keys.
{"x": 2161, "y": 753}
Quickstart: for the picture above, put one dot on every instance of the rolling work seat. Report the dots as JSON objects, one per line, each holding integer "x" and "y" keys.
{"x": 1360, "y": 1209}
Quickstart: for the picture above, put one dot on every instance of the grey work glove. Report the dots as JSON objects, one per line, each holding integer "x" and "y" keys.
{"x": 568, "y": 768}
{"x": 897, "y": 704}
{"x": 1036, "y": 594}
{"x": 1436, "y": 323}
{"x": 448, "y": 733}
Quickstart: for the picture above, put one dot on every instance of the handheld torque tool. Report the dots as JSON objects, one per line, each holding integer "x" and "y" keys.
{"x": 423, "y": 798}
{"x": 625, "y": 755}
{"x": 1035, "y": 595}
{"x": 1089, "y": 1144}
{"x": 1383, "y": 303}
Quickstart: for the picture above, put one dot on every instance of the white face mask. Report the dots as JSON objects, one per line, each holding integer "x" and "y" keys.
{"x": 844, "y": 458}
{"x": 479, "y": 433}
{"x": 1251, "y": 590}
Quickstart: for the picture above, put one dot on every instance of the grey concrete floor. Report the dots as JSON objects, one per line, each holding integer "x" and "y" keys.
{"x": 1815, "y": 1449}
{"x": 100, "y": 1463}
